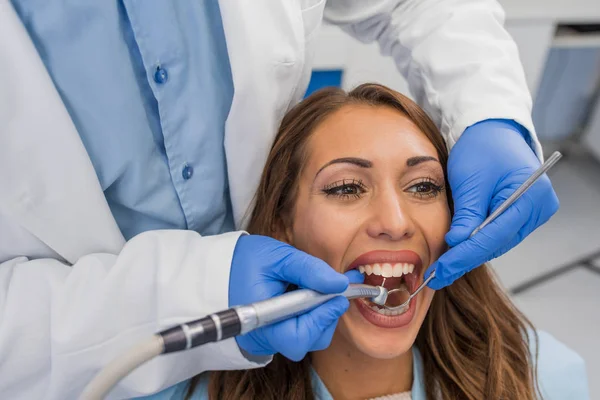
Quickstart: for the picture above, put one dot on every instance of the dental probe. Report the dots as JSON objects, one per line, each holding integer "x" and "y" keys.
{"x": 220, "y": 326}
{"x": 507, "y": 203}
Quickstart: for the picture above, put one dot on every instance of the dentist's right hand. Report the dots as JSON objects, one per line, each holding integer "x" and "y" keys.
{"x": 262, "y": 268}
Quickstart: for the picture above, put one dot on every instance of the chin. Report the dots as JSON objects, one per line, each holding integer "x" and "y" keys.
{"x": 381, "y": 338}
{"x": 384, "y": 349}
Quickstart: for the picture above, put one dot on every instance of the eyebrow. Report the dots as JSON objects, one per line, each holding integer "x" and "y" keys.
{"x": 360, "y": 162}
{"x": 411, "y": 162}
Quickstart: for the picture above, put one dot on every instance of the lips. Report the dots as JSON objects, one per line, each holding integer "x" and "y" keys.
{"x": 391, "y": 269}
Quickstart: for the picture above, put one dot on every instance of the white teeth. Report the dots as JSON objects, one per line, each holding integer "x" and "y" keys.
{"x": 377, "y": 269}
{"x": 383, "y": 311}
{"x": 387, "y": 271}
{"x": 389, "y": 313}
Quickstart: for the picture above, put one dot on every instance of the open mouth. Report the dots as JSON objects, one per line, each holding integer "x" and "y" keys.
{"x": 399, "y": 271}
{"x": 403, "y": 277}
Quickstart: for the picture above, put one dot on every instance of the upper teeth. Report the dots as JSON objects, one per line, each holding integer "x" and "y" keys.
{"x": 387, "y": 270}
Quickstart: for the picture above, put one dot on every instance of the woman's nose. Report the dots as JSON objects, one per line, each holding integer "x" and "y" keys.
{"x": 389, "y": 219}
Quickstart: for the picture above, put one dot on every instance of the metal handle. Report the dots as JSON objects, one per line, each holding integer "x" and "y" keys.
{"x": 302, "y": 300}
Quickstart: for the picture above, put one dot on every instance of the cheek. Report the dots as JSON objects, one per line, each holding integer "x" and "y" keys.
{"x": 434, "y": 225}
{"x": 322, "y": 231}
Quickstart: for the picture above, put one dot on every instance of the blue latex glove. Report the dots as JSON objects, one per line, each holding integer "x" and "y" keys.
{"x": 262, "y": 268}
{"x": 488, "y": 163}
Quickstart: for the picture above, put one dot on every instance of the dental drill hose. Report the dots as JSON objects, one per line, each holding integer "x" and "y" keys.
{"x": 220, "y": 326}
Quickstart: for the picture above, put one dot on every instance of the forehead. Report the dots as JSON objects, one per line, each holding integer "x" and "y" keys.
{"x": 371, "y": 132}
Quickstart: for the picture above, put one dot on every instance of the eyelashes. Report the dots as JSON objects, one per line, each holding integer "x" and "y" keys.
{"x": 345, "y": 189}
{"x": 426, "y": 188}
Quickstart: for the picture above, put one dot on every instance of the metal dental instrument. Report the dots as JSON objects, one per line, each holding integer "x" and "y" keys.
{"x": 507, "y": 203}
{"x": 220, "y": 326}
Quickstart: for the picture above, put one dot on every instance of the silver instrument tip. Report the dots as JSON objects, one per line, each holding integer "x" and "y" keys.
{"x": 381, "y": 298}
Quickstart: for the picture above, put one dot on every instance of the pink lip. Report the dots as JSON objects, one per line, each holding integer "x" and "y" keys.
{"x": 387, "y": 256}
{"x": 385, "y": 321}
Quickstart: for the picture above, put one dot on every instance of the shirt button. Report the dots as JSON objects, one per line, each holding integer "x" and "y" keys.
{"x": 161, "y": 75}
{"x": 187, "y": 172}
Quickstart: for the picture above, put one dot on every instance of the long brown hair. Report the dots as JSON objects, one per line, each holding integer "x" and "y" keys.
{"x": 474, "y": 342}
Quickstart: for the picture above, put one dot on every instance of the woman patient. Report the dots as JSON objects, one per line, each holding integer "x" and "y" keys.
{"x": 359, "y": 181}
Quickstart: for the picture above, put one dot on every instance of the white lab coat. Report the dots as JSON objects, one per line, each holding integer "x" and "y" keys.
{"x": 73, "y": 294}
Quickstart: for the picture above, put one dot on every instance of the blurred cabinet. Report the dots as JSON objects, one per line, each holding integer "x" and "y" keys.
{"x": 591, "y": 135}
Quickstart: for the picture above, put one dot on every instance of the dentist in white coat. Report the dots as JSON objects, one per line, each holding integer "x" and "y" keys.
{"x": 132, "y": 137}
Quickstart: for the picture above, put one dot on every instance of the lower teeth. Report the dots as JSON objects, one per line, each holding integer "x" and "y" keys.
{"x": 384, "y": 311}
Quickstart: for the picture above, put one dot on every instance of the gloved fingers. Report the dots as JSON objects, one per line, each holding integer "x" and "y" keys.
{"x": 469, "y": 214}
{"x": 531, "y": 225}
{"x": 324, "y": 340}
{"x": 508, "y": 226}
{"x": 256, "y": 342}
{"x": 310, "y": 327}
{"x": 541, "y": 195}
{"x": 512, "y": 244}
{"x": 511, "y": 184}
{"x": 309, "y": 272}
{"x": 354, "y": 276}
{"x": 468, "y": 254}
{"x": 544, "y": 203}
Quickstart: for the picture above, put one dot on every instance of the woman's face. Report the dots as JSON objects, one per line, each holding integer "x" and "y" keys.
{"x": 371, "y": 196}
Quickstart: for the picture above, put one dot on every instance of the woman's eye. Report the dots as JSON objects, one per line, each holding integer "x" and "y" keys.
{"x": 425, "y": 189}
{"x": 345, "y": 189}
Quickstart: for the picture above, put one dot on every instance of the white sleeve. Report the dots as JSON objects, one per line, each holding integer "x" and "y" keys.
{"x": 461, "y": 64}
{"x": 60, "y": 324}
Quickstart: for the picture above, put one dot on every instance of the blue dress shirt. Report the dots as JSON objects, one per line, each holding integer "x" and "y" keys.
{"x": 148, "y": 86}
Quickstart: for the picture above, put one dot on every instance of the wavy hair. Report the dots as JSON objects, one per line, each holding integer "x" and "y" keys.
{"x": 473, "y": 341}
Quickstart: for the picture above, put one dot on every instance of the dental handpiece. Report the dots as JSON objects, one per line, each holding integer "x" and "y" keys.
{"x": 220, "y": 326}
{"x": 243, "y": 319}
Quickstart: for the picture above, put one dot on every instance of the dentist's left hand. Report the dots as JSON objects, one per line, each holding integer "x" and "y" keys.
{"x": 262, "y": 268}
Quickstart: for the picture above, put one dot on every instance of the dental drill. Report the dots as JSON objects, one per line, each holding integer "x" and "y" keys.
{"x": 220, "y": 326}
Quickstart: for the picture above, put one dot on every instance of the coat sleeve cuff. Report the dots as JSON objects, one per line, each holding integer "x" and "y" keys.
{"x": 229, "y": 349}
{"x": 452, "y": 130}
